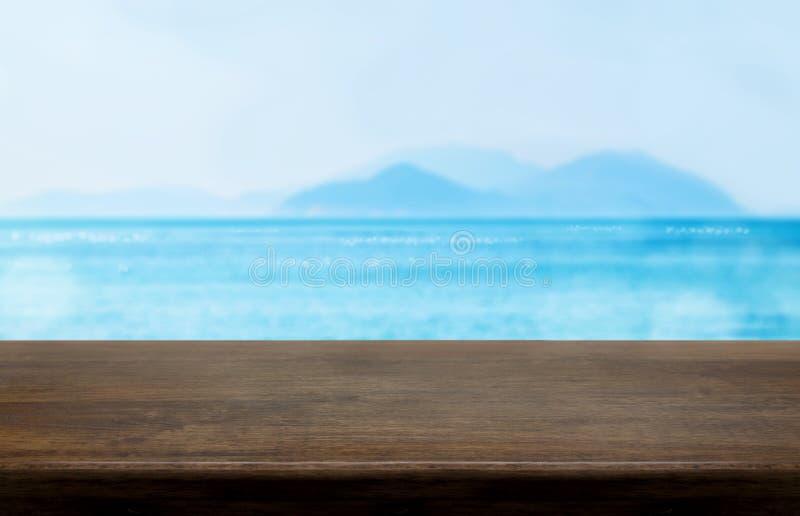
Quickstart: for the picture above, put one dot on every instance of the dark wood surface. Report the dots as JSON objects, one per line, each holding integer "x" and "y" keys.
{"x": 399, "y": 427}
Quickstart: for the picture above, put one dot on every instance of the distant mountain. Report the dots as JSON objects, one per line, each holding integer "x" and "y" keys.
{"x": 441, "y": 181}
{"x": 625, "y": 184}
{"x": 398, "y": 190}
{"x": 475, "y": 167}
{"x": 146, "y": 202}
{"x": 607, "y": 184}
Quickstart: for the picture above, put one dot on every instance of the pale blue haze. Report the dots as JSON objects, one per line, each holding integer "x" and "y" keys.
{"x": 229, "y": 98}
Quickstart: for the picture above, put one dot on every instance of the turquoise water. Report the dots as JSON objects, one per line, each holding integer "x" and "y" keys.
{"x": 459, "y": 279}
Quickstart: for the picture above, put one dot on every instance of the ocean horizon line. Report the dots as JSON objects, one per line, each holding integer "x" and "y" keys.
{"x": 385, "y": 218}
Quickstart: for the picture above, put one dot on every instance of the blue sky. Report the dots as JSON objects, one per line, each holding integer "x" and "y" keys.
{"x": 235, "y": 96}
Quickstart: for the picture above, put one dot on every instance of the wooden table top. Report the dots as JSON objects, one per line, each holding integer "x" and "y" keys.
{"x": 339, "y": 408}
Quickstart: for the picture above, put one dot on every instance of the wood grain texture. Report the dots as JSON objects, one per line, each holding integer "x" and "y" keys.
{"x": 399, "y": 427}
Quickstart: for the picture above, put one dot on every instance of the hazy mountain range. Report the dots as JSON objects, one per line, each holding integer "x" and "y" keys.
{"x": 441, "y": 181}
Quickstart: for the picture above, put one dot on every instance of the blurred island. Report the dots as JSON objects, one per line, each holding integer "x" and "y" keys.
{"x": 437, "y": 182}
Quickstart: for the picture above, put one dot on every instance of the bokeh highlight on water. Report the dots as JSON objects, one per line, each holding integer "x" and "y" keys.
{"x": 192, "y": 279}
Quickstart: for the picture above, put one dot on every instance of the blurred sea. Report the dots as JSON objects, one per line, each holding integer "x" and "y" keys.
{"x": 454, "y": 279}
